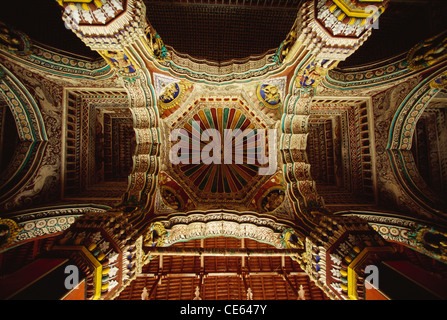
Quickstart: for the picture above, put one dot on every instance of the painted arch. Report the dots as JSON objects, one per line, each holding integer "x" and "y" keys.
{"x": 400, "y": 141}
{"x": 31, "y": 132}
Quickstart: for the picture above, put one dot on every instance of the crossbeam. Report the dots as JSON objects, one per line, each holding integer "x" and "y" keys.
{"x": 226, "y": 252}
{"x": 221, "y": 274}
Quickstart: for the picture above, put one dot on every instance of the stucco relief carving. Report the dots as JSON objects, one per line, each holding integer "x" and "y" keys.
{"x": 390, "y": 192}
{"x": 43, "y": 185}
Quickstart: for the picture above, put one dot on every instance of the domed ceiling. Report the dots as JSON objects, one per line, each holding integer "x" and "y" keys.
{"x": 220, "y": 179}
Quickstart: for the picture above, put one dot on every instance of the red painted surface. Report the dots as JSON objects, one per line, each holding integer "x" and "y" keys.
{"x": 374, "y": 294}
{"x": 77, "y": 293}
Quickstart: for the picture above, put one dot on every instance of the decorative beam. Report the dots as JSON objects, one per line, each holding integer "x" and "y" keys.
{"x": 226, "y": 252}
{"x": 223, "y": 274}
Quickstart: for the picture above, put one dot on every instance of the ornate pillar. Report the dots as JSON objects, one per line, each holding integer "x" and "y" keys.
{"x": 105, "y": 250}
{"x": 119, "y": 32}
{"x": 325, "y": 33}
{"x": 338, "y": 249}
{"x": 142, "y": 180}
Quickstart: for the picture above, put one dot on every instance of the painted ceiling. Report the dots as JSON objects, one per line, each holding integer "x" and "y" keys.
{"x": 200, "y": 181}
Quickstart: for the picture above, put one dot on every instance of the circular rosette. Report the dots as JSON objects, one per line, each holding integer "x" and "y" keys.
{"x": 222, "y": 146}
{"x": 269, "y": 96}
{"x": 170, "y": 96}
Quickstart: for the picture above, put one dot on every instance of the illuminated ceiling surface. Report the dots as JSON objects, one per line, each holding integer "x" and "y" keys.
{"x": 227, "y": 65}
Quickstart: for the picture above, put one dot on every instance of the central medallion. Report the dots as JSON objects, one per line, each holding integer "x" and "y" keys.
{"x": 223, "y": 150}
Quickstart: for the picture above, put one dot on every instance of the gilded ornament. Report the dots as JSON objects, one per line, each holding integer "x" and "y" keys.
{"x": 284, "y": 48}
{"x": 14, "y": 41}
{"x": 120, "y": 61}
{"x": 156, "y": 45}
{"x": 431, "y": 240}
{"x": 428, "y": 52}
{"x": 87, "y": 5}
{"x": 311, "y": 76}
{"x": 170, "y": 95}
{"x": 155, "y": 236}
{"x": 439, "y": 83}
{"x": 269, "y": 95}
{"x": 291, "y": 240}
{"x": 8, "y": 232}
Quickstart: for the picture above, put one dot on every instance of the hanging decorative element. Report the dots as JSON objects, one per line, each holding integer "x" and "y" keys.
{"x": 249, "y": 294}
{"x": 144, "y": 294}
{"x": 301, "y": 293}
{"x": 197, "y": 294}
